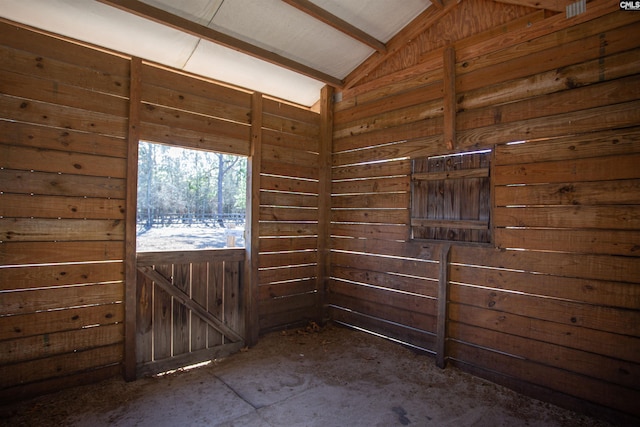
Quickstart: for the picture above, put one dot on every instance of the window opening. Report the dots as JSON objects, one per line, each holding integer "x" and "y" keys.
{"x": 450, "y": 197}
{"x": 189, "y": 199}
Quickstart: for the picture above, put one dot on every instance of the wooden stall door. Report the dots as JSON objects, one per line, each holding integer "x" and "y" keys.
{"x": 190, "y": 308}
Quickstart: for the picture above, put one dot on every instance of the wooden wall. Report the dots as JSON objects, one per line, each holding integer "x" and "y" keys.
{"x": 552, "y": 306}
{"x": 64, "y": 124}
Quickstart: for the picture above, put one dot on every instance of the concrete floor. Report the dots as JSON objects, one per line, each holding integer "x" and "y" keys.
{"x": 334, "y": 377}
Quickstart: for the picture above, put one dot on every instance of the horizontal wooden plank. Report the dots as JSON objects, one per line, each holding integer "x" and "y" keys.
{"x": 195, "y": 122}
{"x": 288, "y": 303}
{"x": 371, "y": 201}
{"x": 467, "y": 224}
{"x": 59, "y": 93}
{"x": 286, "y": 273}
{"x": 172, "y": 99}
{"x": 276, "y": 167}
{"x": 404, "y": 284}
{"x": 17, "y": 253}
{"x": 597, "y": 292}
{"x": 294, "y": 318}
{"x": 62, "y": 117}
{"x": 391, "y": 168}
{"x": 600, "y": 318}
{"x": 585, "y": 363}
{"x": 288, "y": 183}
{"x": 279, "y": 290}
{"x": 385, "y": 264}
{"x": 31, "y": 206}
{"x": 60, "y": 365}
{"x": 58, "y": 298}
{"x": 187, "y": 257}
{"x": 570, "y": 336}
{"x": 414, "y": 130}
{"x": 420, "y": 147}
{"x": 30, "y": 182}
{"x": 592, "y": 120}
{"x": 185, "y": 84}
{"x": 405, "y": 249}
{"x": 422, "y": 340}
{"x": 60, "y": 275}
{"x": 570, "y": 171}
{"x": 81, "y": 75}
{"x": 371, "y": 305}
{"x": 614, "y": 242}
{"x": 287, "y": 213}
{"x": 601, "y": 69}
{"x": 290, "y": 141}
{"x": 287, "y": 229}
{"x": 47, "y": 345}
{"x": 451, "y": 174}
{"x": 277, "y": 244}
{"x": 369, "y": 216}
{"x": 284, "y": 155}
{"x": 282, "y": 259}
{"x": 27, "y": 158}
{"x": 43, "y": 230}
{"x": 544, "y": 53}
{"x": 426, "y": 109}
{"x": 416, "y": 91}
{"x": 26, "y": 135}
{"x": 283, "y": 109}
{"x": 572, "y": 147}
{"x": 211, "y": 140}
{"x": 380, "y": 232}
{"x": 279, "y": 199}
{"x": 599, "y": 267}
{"x": 394, "y": 184}
{"x": 599, "y": 217}
{"x": 46, "y": 322}
{"x": 578, "y": 99}
{"x": 621, "y": 192}
{"x": 605, "y": 393}
{"x": 287, "y": 125}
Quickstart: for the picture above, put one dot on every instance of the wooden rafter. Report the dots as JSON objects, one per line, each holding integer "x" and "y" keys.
{"x": 165, "y": 18}
{"x": 322, "y": 15}
{"x": 554, "y": 5}
{"x": 420, "y": 24}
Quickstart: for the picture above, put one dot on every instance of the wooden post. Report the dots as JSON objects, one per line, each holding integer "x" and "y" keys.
{"x": 252, "y": 224}
{"x": 324, "y": 194}
{"x": 443, "y": 297}
{"x": 449, "y": 82}
{"x": 130, "y": 299}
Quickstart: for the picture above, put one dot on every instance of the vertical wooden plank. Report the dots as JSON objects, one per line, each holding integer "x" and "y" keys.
{"x": 144, "y": 324}
{"x": 182, "y": 281}
{"x": 252, "y": 223}
{"x": 449, "y": 82}
{"x": 162, "y": 317}
{"x": 130, "y": 220}
{"x": 231, "y": 295}
{"x": 215, "y": 303}
{"x": 443, "y": 296}
{"x": 324, "y": 195}
{"x": 199, "y": 281}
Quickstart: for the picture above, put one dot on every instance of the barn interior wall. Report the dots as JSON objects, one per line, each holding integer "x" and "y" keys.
{"x": 552, "y": 306}
{"x": 65, "y": 119}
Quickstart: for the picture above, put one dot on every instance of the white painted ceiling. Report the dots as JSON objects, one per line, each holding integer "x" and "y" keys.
{"x": 270, "y": 24}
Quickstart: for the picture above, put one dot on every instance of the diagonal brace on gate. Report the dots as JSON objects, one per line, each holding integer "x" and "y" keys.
{"x": 178, "y": 294}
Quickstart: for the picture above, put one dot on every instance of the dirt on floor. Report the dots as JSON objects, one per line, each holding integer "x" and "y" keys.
{"x": 331, "y": 376}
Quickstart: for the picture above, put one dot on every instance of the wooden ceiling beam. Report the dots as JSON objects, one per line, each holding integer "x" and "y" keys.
{"x": 554, "y": 5}
{"x": 328, "y": 18}
{"x": 165, "y": 18}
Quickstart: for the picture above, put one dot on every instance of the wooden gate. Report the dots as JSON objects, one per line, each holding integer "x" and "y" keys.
{"x": 190, "y": 308}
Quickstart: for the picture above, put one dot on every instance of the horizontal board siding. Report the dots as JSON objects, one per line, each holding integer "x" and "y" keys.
{"x": 64, "y": 119}
{"x": 551, "y": 306}
{"x": 288, "y": 217}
